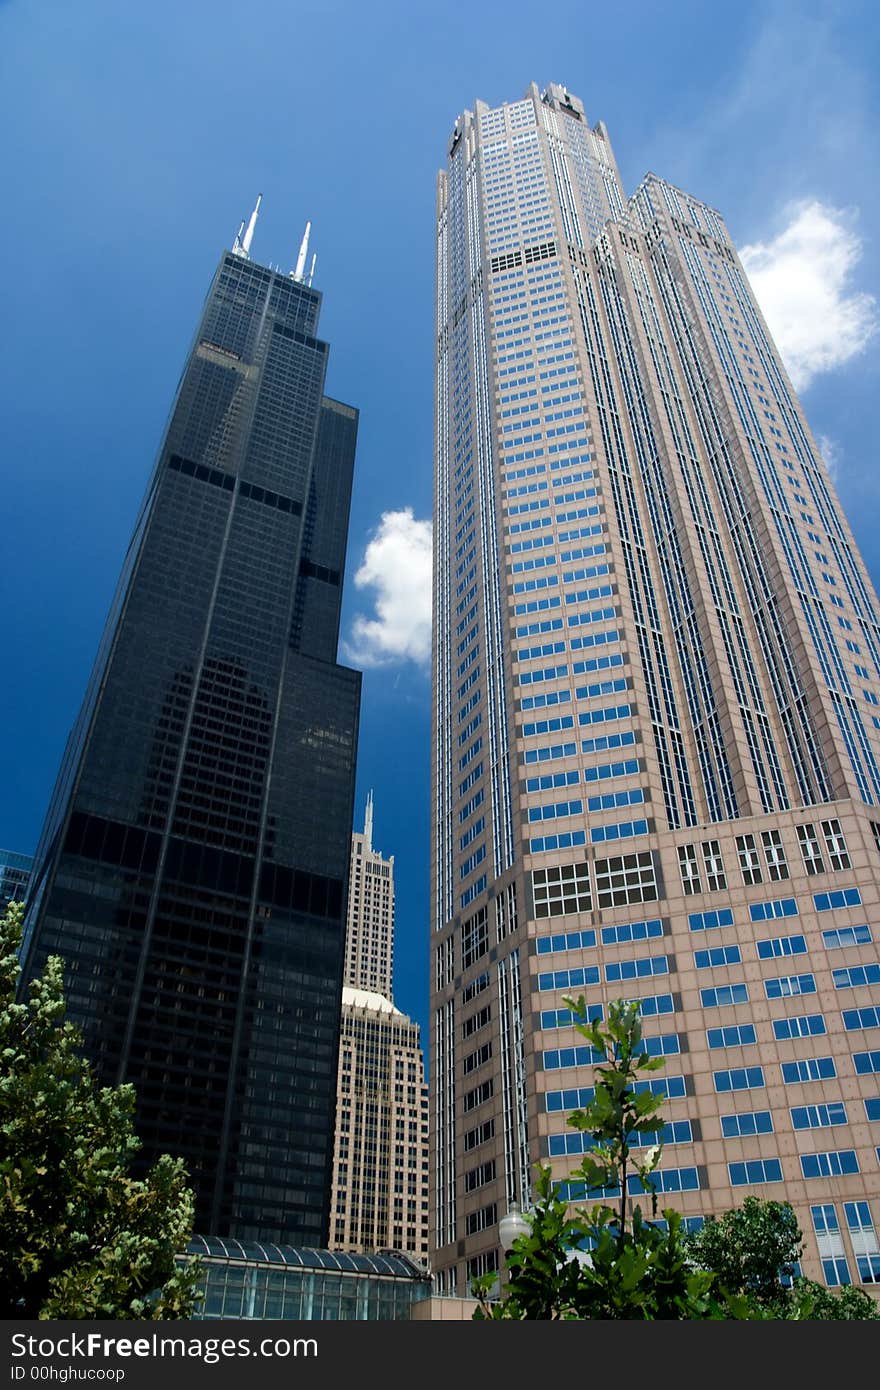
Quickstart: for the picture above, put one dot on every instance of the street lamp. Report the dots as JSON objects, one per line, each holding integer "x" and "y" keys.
{"x": 511, "y": 1226}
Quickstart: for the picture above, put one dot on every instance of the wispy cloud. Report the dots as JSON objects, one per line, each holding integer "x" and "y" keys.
{"x": 802, "y": 279}
{"x": 799, "y": 79}
{"x": 397, "y": 567}
{"x": 831, "y": 453}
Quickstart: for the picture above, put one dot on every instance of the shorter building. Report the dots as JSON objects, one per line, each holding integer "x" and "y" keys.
{"x": 380, "y": 1157}
{"x": 15, "y": 873}
{"x": 369, "y": 924}
{"x": 246, "y": 1281}
{"x": 379, "y": 1198}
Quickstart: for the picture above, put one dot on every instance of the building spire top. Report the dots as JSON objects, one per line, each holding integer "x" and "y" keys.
{"x": 368, "y": 821}
{"x": 249, "y": 234}
{"x": 242, "y": 244}
{"x": 299, "y": 273}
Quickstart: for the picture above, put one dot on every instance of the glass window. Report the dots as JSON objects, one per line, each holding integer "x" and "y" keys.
{"x": 777, "y": 866}
{"x": 810, "y": 851}
{"x": 755, "y": 1171}
{"x": 746, "y": 1124}
{"x": 687, "y": 865}
{"x": 749, "y": 866}
{"x": 713, "y": 866}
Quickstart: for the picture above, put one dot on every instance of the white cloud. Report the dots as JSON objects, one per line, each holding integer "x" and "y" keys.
{"x": 397, "y": 566}
{"x": 831, "y": 453}
{"x": 802, "y": 282}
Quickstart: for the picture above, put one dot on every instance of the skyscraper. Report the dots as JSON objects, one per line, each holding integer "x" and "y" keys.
{"x": 369, "y": 929}
{"x": 192, "y": 869}
{"x": 15, "y": 872}
{"x": 380, "y": 1161}
{"x": 656, "y": 706}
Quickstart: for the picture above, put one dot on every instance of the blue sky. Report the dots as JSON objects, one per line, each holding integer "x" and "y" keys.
{"x": 136, "y": 139}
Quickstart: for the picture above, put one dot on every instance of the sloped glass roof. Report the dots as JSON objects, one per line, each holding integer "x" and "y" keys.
{"x": 337, "y": 1261}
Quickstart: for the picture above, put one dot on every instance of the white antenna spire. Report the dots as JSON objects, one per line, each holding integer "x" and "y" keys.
{"x": 236, "y": 245}
{"x": 249, "y": 234}
{"x": 303, "y": 252}
{"x": 312, "y": 269}
{"x": 368, "y": 821}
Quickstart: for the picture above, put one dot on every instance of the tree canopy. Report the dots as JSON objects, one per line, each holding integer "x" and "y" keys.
{"x": 79, "y": 1236}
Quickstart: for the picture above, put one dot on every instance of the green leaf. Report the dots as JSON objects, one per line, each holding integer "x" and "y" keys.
{"x": 79, "y": 1237}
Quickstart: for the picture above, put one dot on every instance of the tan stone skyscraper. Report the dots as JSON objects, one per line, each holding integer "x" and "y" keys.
{"x": 656, "y": 706}
{"x": 369, "y": 931}
{"x": 380, "y": 1157}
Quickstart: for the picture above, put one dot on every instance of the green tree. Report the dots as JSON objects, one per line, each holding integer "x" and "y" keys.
{"x": 541, "y": 1274}
{"x": 79, "y": 1237}
{"x": 813, "y": 1302}
{"x": 753, "y": 1251}
{"x": 606, "y": 1262}
{"x": 611, "y": 1261}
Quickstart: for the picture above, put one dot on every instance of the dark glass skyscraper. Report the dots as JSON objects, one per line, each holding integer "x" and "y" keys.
{"x": 15, "y": 872}
{"x": 193, "y": 867}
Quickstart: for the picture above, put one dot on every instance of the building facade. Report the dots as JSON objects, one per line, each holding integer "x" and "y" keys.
{"x": 380, "y": 1159}
{"x": 15, "y": 873}
{"x": 193, "y": 866}
{"x": 369, "y": 926}
{"x": 656, "y": 707}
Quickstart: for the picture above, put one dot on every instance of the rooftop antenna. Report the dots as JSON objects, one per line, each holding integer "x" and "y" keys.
{"x": 236, "y": 245}
{"x": 249, "y": 234}
{"x": 368, "y": 821}
{"x": 303, "y": 252}
{"x": 312, "y": 269}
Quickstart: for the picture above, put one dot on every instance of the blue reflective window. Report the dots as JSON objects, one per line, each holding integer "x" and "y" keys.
{"x": 632, "y": 931}
{"x": 735, "y": 1035}
{"x": 637, "y": 969}
{"x": 566, "y": 1018}
{"x": 786, "y": 985}
{"x": 569, "y": 979}
{"x": 861, "y": 1018}
{"x": 778, "y": 907}
{"x": 837, "y": 1163}
{"x": 866, "y": 1062}
{"x": 559, "y": 1058}
{"x": 853, "y": 976}
{"x": 808, "y": 1069}
{"x": 566, "y": 941}
{"x": 653, "y": 1004}
{"x": 739, "y": 1079}
{"x": 673, "y": 1132}
{"x": 739, "y": 1126}
{"x": 717, "y": 955}
{"x": 571, "y": 838}
{"x": 819, "y": 1116}
{"x": 623, "y": 831}
{"x": 804, "y": 1026}
{"x": 708, "y": 921}
{"x": 574, "y": 1098}
{"x": 720, "y": 995}
{"x": 756, "y": 1170}
{"x": 841, "y": 897}
{"x": 846, "y": 936}
{"x": 666, "y": 1045}
{"x": 669, "y": 1180}
{"x": 781, "y": 946}
{"x": 824, "y": 1219}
